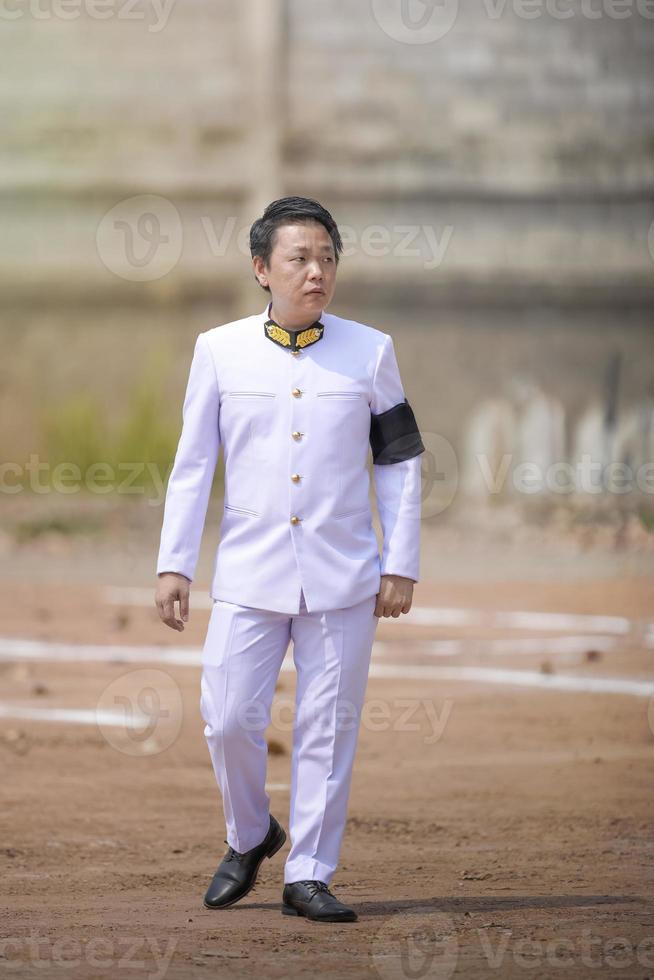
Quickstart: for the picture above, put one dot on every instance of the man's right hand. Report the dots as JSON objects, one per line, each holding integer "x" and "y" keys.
{"x": 172, "y": 587}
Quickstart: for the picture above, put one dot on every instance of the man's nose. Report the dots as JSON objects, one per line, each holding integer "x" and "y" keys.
{"x": 315, "y": 270}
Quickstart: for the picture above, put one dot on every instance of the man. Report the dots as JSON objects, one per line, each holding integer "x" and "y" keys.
{"x": 296, "y": 397}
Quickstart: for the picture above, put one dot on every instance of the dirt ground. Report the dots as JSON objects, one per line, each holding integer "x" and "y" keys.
{"x": 494, "y": 830}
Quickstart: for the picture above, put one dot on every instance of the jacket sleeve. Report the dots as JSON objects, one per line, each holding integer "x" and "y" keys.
{"x": 398, "y": 485}
{"x": 189, "y": 485}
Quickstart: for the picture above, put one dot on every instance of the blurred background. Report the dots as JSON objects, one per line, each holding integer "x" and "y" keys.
{"x": 491, "y": 167}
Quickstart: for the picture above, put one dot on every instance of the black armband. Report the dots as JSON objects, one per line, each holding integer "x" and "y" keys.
{"x": 394, "y": 434}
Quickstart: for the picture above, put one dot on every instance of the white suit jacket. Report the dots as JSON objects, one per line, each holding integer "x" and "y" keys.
{"x": 295, "y": 436}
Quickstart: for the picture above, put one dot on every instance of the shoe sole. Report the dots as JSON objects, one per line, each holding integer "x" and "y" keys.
{"x": 291, "y": 910}
{"x": 279, "y": 842}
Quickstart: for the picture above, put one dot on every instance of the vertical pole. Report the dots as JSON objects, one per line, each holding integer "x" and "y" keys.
{"x": 265, "y": 78}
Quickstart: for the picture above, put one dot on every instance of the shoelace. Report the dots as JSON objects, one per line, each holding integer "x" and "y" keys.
{"x": 232, "y": 854}
{"x": 318, "y": 886}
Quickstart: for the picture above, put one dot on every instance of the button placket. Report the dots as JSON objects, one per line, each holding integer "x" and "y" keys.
{"x": 297, "y": 393}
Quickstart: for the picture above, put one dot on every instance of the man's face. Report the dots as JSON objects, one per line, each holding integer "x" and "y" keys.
{"x": 302, "y": 271}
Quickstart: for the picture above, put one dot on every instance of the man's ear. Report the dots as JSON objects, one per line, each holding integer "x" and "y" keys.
{"x": 259, "y": 273}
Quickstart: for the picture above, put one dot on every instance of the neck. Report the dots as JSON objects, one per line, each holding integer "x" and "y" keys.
{"x": 289, "y": 322}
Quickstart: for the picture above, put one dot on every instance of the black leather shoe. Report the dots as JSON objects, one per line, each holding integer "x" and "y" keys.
{"x": 314, "y": 900}
{"x": 237, "y": 872}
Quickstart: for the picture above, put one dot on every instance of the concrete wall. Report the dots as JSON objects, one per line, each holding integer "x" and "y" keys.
{"x": 495, "y": 185}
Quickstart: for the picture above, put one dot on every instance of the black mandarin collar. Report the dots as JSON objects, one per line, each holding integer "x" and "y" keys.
{"x": 293, "y": 340}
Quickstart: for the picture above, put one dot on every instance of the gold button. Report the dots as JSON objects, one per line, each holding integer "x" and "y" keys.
{"x": 296, "y": 353}
{"x": 295, "y": 477}
{"x": 295, "y": 520}
{"x": 297, "y": 435}
{"x": 296, "y": 392}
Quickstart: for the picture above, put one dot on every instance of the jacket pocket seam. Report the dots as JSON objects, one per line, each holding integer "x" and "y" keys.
{"x": 249, "y": 394}
{"x": 351, "y": 513}
{"x": 242, "y": 510}
{"x": 338, "y": 394}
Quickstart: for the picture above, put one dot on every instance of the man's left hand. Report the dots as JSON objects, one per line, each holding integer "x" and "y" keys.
{"x": 395, "y": 595}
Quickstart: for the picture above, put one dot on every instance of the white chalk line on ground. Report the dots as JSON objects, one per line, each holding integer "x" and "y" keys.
{"x": 473, "y": 646}
{"x": 78, "y": 716}
{"x": 12, "y": 649}
{"x": 514, "y": 619}
{"x": 520, "y": 678}
{"x": 43, "y": 650}
{"x": 441, "y": 615}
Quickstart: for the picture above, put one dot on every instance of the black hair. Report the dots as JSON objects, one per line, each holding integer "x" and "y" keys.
{"x": 287, "y": 211}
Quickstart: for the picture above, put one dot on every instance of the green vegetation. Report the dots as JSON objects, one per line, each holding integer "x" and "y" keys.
{"x": 85, "y": 449}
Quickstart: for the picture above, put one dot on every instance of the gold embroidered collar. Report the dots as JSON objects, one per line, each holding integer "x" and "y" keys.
{"x": 293, "y": 340}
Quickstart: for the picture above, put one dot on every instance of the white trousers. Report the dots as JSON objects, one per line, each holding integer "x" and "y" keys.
{"x": 242, "y": 658}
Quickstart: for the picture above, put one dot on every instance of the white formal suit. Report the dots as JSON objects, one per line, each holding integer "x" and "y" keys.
{"x": 297, "y": 559}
